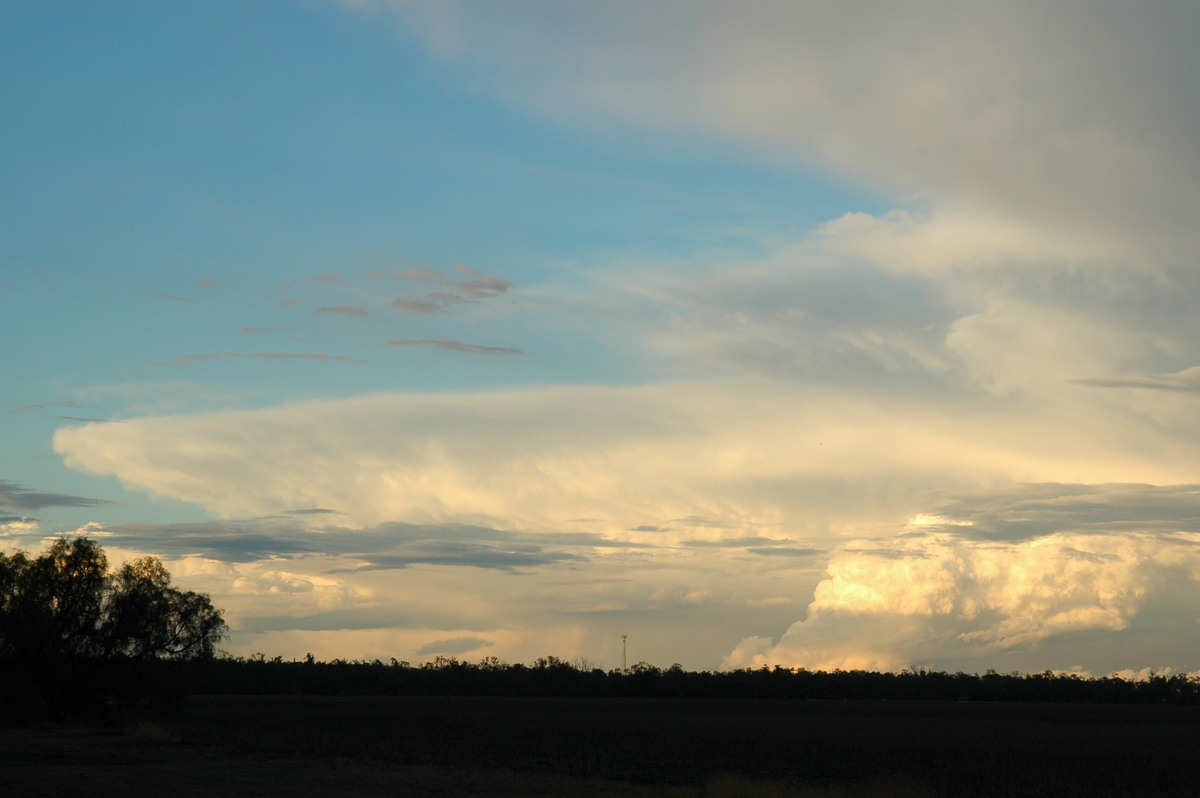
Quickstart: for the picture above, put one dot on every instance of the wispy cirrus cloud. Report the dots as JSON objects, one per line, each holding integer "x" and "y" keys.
{"x": 172, "y": 297}
{"x": 449, "y": 290}
{"x": 342, "y": 310}
{"x": 478, "y": 285}
{"x": 27, "y": 408}
{"x": 186, "y": 361}
{"x": 456, "y": 346}
{"x": 422, "y": 306}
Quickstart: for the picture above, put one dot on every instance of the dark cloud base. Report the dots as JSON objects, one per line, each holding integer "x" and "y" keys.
{"x": 19, "y": 497}
{"x": 1027, "y": 511}
{"x": 454, "y": 646}
{"x": 390, "y": 546}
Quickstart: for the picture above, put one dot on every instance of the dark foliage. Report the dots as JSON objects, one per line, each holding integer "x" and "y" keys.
{"x": 72, "y": 634}
{"x": 553, "y": 677}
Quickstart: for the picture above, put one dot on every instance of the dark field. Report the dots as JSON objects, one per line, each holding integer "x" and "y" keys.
{"x": 301, "y": 746}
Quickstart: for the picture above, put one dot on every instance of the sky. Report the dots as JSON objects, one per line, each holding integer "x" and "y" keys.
{"x": 854, "y": 335}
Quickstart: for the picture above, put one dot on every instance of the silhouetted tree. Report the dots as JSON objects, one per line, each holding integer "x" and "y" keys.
{"x": 67, "y": 624}
{"x": 148, "y": 619}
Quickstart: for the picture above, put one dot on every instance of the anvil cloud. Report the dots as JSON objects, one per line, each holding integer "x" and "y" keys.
{"x": 855, "y": 335}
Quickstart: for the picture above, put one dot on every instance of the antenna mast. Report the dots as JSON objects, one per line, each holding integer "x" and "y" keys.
{"x": 624, "y": 652}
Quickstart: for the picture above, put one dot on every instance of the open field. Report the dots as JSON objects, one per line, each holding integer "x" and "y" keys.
{"x": 635, "y": 747}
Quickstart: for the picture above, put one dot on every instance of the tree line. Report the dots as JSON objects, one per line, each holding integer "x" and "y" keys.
{"x": 77, "y": 638}
{"x": 551, "y": 676}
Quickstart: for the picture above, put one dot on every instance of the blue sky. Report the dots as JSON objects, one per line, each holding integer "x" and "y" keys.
{"x": 855, "y": 337}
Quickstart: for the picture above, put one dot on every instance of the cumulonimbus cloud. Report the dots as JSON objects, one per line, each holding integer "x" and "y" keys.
{"x": 889, "y": 366}
{"x": 938, "y": 595}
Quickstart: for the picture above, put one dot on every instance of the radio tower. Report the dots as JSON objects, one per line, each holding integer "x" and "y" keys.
{"x": 624, "y": 651}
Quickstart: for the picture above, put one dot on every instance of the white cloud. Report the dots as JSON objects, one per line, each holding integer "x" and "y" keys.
{"x": 17, "y": 533}
{"x": 938, "y": 596}
{"x": 1074, "y": 120}
{"x": 867, "y": 307}
{"x": 952, "y": 241}
{"x": 932, "y": 519}
{"x": 748, "y": 453}
{"x": 1145, "y": 674}
{"x": 974, "y": 572}
{"x": 1001, "y": 329}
